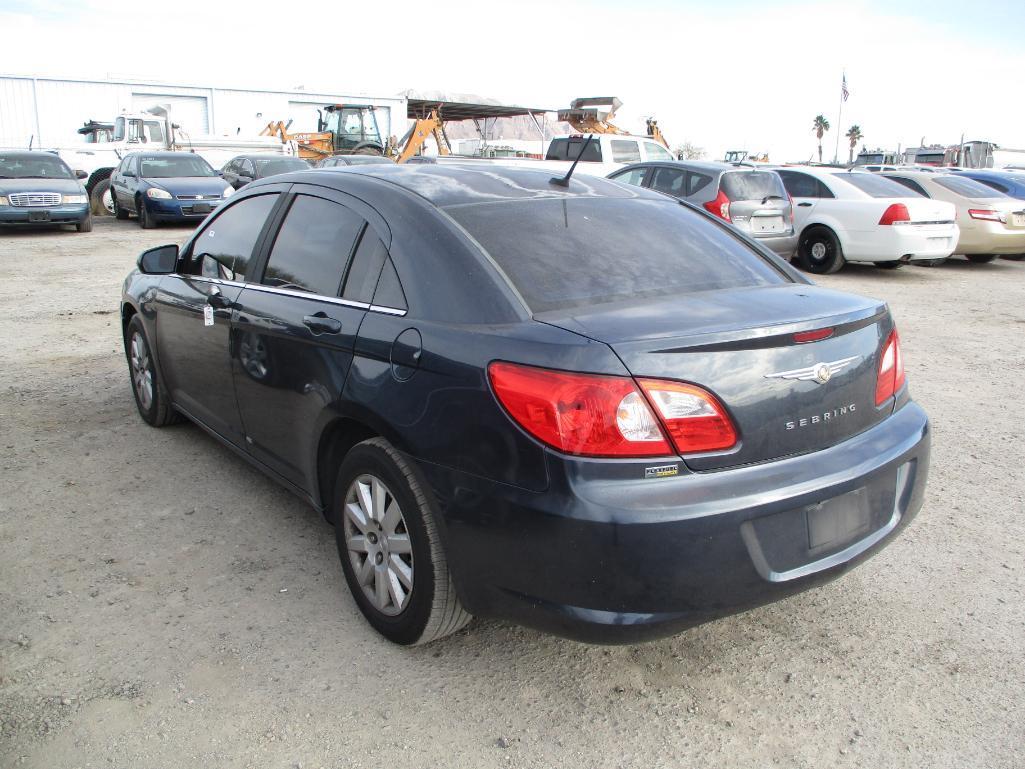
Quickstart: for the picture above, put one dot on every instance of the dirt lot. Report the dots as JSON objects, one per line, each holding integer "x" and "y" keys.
{"x": 164, "y": 605}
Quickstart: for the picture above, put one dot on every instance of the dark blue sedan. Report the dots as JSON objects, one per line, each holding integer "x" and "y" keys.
{"x": 591, "y": 408}
{"x": 1010, "y": 183}
{"x": 166, "y": 187}
{"x": 38, "y": 188}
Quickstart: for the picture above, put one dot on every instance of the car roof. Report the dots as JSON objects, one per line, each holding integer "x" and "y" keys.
{"x": 450, "y": 184}
{"x": 28, "y": 153}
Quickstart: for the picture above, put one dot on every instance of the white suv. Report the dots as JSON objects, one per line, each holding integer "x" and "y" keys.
{"x": 854, "y": 216}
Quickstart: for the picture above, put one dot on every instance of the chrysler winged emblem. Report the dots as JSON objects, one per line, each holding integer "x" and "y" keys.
{"x": 817, "y": 372}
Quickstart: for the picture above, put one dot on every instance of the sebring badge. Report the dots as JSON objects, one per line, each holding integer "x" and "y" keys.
{"x": 817, "y": 372}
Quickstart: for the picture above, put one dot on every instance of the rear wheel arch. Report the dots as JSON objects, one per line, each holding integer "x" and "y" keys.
{"x": 336, "y": 439}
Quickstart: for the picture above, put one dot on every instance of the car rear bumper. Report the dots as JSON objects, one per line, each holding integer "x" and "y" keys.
{"x": 70, "y": 214}
{"x": 895, "y": 242}
{"x": 781, "y": 245}
{"x": 991, "y": 239}
{"x": 615, "y": 561}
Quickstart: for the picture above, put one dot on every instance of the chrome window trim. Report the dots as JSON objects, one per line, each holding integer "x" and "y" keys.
{"x": 383, "y": 310}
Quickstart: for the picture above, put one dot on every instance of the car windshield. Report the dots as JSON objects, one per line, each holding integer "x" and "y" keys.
{"x": 968, "y": 188}
{"x": 280, "y": 166}
{"x": 579, "y": 252}
{"x": 173, "y": 167}
{"x": 41, "y": 166}
{"x": 878, "y": 186}
{"x": 752, "y": 185}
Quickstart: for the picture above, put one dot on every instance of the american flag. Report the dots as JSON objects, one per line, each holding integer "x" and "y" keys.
{"x": 843, "y": 88}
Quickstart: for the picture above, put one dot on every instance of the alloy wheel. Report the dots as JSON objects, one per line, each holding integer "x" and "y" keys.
{"x": 378, "y": 544}
{"x": 142, "y": 371}
{"x": 108, "y": 201}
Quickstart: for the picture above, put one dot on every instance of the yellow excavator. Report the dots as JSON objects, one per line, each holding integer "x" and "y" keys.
{"x": 594, "y": 114}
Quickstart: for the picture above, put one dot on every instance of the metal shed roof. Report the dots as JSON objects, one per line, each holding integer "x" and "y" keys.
{"x": 458, "y": 110}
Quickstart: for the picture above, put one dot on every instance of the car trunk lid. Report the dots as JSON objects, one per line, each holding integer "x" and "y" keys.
{"x": 758, "y": 202}
{"x": 784, "y": 396}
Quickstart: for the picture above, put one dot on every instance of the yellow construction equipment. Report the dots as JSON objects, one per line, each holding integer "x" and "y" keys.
{"x": 594, "y": 115}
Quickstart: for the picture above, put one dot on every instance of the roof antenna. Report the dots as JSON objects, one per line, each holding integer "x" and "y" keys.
{"x": 564, "y": 181}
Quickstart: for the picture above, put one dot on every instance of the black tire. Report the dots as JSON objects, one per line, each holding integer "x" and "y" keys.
{"x": 96, "y": 197}
{"x": 145, "y": 220}
{"x": 158, "y": 412}
{"x": 980, "y": 258}
{"x": 86, "y": 225}
{"x": 819, "y": 252}
{"x": 891, "y": 265}
{"x": 431, "y": 609}
{"x": 119, "y": 213}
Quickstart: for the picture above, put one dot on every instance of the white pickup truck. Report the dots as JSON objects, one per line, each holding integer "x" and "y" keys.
{"x": 102, "y": 151}
{"x": 606, "y": 153}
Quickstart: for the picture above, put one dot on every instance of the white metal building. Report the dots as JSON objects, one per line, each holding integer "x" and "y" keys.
{"x": 47, "y": 111}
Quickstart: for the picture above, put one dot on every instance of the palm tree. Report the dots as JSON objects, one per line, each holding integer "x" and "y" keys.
{"x": 820, "y": 126}
{"x": 854, "y": 136}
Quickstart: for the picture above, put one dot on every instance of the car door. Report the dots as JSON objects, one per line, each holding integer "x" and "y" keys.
{"x": 230, "y": 172}
{"x": 194, "y": 312}
{"x": 295, "y": 328}
{"x": 119, "y": 183}
{"x": 246, "y": 173}
{"x": 806, "y": 192}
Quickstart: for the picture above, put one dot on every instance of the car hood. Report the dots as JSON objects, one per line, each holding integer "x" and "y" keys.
{"x": 190, "y": 185}
{"x": 63, "y": 186}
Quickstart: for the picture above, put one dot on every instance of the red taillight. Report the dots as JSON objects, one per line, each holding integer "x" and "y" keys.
{"x": 608, "y": 416}
{"x": 803, "y": 337}
{"x": 695, "y": 420}
{"x": 891, "y": 369}
{"x": 720, "y": 206}
{"x": 986, "y": 214}
{"x": 583, "y": 414}
{"x": 895, "y": 212}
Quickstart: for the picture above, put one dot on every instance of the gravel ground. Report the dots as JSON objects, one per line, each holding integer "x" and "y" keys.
{"x": 164, "y": 605}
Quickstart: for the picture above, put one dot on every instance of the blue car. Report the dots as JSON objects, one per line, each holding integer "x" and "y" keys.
{"x": 1007, "y": 182}
{"x": 166, "y": 187}
{"x": 39, "y": 188}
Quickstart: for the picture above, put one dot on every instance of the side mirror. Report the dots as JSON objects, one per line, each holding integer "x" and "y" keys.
{"x": 80, "y": 174}
{"x": 161, "y": 260}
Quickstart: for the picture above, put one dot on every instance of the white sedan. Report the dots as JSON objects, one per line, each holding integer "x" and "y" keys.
{"x": 853, "y": 216}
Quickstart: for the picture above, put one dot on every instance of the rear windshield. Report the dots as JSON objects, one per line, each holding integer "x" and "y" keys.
{"x": 171, "y": 167}
{"x": 752, "y": 185}
{"x": 579, "y": 252}
{"x": 878, "y": 186}
{"x": 569, "y": 148}
{"x": 968, "y": 188}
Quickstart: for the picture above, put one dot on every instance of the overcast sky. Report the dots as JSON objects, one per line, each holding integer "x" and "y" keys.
{"x": 726, "y": 75}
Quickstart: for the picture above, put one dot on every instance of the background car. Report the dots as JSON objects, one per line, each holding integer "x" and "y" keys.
{"x": 166, "y": 187}
{"x": 753, "y": 200}
{"x": 242, "y": 169}
{"x": 334, "y": 161}
{"x": 991, "y": 223}
{"x": 588, "y": 409}
{"x": 853, "y": 216}
{"x": 38, "y": 188}
{"x": 1010, "y": 183}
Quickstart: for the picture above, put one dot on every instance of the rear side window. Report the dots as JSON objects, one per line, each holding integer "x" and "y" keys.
{"x": 224, "y": 248}
{"x": 969, "y": 188}
{"x": 696, "y": 182}
{"x": 580, "y": 252}
{"x": 875, "y": 186}
{"x": 804, "y": 186}
{"x": 313, "y": 246}
{"x": 671, "y": 181}
{"x": 625, "y": 151}
{"x": 389, "y": 290}
{"x": 994, "y": 184}
{"x": 911, "y": 184}
{"x": 569, "y": 148}
{"x": 752, "y": 185}
{"x": 366, "y": 268}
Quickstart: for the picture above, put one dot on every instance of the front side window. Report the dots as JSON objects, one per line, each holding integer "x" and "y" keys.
{"x": 313, "y": 246}
{"x": 119, "y": 129}
{"x": 634, "y": 176}
{"x": 625, "y": 151}
{"x": 224, "y": 248}
{"x": 246, "y": 168}
{"x": 671, "y": 181}
{"x": 657, "y": 152}
{"x": 154, "y": 132}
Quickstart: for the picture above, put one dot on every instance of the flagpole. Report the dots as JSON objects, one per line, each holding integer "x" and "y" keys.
{"x": 839, "y": 117}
